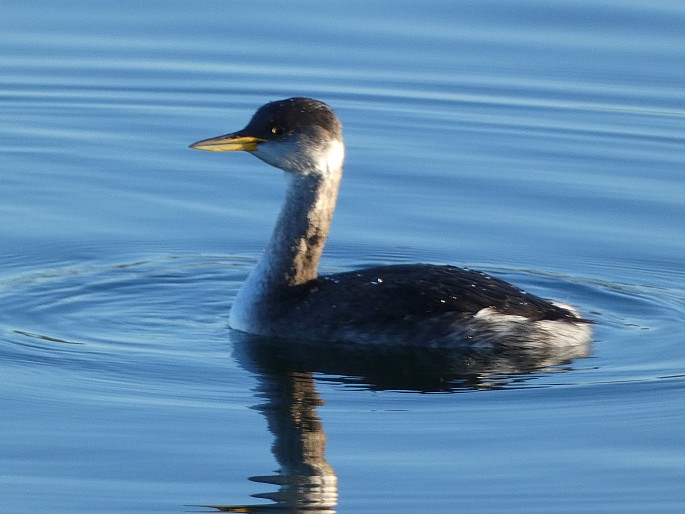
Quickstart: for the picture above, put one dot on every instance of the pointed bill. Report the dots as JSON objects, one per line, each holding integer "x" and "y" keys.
{"x": 235, "y": 142}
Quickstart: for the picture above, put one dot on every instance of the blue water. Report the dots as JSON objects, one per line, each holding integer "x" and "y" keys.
{"x": 543, "y": 142}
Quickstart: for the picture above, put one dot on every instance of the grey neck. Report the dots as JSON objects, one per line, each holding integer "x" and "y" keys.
{"x": 294, "y": 250}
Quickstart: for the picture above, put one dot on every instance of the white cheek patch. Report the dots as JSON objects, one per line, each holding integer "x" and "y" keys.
{"x": 333, "y": 158}
{"x": 282, "y": 154}
{"x": 291, "y": 156}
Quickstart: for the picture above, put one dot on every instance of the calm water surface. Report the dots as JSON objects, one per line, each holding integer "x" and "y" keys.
{"x": 541, "y": 142}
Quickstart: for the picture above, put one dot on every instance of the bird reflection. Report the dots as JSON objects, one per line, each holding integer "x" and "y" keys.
{"x": 305, "y": 481}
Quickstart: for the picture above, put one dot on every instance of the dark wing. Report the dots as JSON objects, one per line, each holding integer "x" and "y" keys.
{"x": 389, "y": 293}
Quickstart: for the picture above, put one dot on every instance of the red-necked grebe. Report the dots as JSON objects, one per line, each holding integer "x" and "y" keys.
{"x": 416, "y": 304}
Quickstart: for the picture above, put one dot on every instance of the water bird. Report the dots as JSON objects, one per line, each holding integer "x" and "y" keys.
{"x": 411, "y": 304}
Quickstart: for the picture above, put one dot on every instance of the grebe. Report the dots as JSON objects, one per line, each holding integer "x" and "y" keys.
{"x": 413, "y": 304}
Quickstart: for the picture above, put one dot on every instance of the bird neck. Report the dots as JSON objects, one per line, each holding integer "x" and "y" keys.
{"x": 294, "y": 250}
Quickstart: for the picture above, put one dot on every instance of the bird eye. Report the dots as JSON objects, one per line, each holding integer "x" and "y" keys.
{"x": 277, "y": 131}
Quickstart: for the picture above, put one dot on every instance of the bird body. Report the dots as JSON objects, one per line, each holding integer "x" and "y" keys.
{"x": 411, "y": 304}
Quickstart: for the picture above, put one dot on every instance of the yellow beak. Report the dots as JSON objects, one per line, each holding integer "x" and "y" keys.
{"x": 229, "y": 143}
